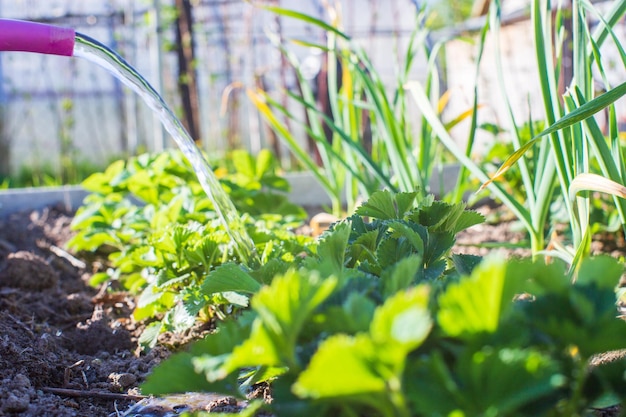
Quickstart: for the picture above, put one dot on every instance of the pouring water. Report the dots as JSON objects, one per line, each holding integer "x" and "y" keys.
{"x": 34, "y": 37}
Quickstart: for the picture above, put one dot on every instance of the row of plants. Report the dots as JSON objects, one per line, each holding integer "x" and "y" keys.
{"x": 380, "y": 316}
{"x": 152, "y": 220}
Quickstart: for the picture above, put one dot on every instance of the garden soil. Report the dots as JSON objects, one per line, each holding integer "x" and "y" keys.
{"x": 68, "y": 349}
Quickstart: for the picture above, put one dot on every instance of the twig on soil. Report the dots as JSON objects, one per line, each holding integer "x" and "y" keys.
{"x": 22, "y": 325}
{"x": 77, "y": 263}
{"x": 67, "y": 392}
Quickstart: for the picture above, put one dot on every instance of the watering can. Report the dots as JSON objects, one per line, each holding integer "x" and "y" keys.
{"x": 18, "y": 35}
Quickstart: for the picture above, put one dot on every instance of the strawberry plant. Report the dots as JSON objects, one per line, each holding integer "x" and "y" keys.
{"x": 162, "y": 238}
{"x": 332, "y": 345}
{"x": 364, "y": 289}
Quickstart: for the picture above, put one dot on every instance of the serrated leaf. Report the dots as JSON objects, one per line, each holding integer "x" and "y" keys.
{"x": 178, "y": 319}
{"x": 405, "y": 202}
{"x": 435, "y": 270}
{"x": 438, "y": 213}
{"x": 401, "y": 275}
{"x": 230, "y": 277}
{"x": 283, "y": 308}
{"x": 258, "y": 350}
{"x": 476, "y": 304}
{"x": 360, "y": 310}
{"x": 509, "y": 379}
{"x": 466, "y": 220}
{"x": 332, "y": 247}
{"x": 354, "y": 357}
{"x": 464, "y": 263}
{"x": 175, "y": 375}
{"x": 200, "y": 369}
{"x": 269, "y": 270}
{"x": 380, "y": 205}
{"x": 437, "y": 244}
{"x": 410, "y": 232}
{"x": 150, "y": 335}
{"x": 236, "y": 299}
{"x": 390, "y": 251}
{"x": 363, "y": 248}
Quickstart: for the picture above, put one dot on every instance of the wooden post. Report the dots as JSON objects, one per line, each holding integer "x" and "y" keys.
{"x": 187, "y": 80}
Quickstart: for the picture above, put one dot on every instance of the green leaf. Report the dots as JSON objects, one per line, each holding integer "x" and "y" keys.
{"x": 333, "y": 244}
{"x": 401, "y": 324}
{"x": 176, "y": 375}
{"x": 391, "y": 251}
{"x": 359, "y": 309}
{"x": 405, "y": 202}
{"x": 501, "y": 382}
{"x": 385, "y": 205}
{"x": 586, "y": 110}
{"x": 602, "y": 271}
{"x": 477, "y": 304}
{"x": 306, "y": 18}
{"x": 200, "y": 369}
{"x": 244, "y": 163}
{"x": 466, "y": 220}
{"x": 581, "y": 113}
{"x": 178, "y": 319}
{"x": 230, "y": 277}
{"x": 401, "y": 275}
{"x": 150, "y": 335}
{"x": 439, "y": 215}
{"x": 380, "y": 205}
{"x": 357, "y": 380}
{"x": 264, "y": 163}
{"x": 465, "y": 264}
{"x": 436, "y": 245}
{"x": 363, "y": 248}
{"x": 410, "y": 232}
{"x": 283, "y": 309}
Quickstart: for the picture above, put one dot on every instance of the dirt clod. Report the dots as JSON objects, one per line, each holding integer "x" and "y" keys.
{"x": 26, "y": 270}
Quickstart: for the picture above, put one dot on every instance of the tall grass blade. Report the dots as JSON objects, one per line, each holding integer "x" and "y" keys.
{"x": 581, "y": 113}
{"x": 595, "y": 182}
{"x": 305, "y": 18}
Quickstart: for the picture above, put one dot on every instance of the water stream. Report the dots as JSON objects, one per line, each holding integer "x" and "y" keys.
{"x": 94, "y": 51}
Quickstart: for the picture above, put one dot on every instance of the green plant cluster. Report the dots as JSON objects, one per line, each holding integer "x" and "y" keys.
{"x": 153, "y": 221}
{"x": 382, "y": 320}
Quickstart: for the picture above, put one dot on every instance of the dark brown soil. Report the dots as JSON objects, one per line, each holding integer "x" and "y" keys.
{"x": 63, "y": 350}
{"x": 67, "y": 349}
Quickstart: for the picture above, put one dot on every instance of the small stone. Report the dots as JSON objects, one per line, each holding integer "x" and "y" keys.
{"x": 121, "y": 381}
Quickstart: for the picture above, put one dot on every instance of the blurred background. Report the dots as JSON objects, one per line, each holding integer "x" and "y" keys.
{"x": 61, "y": 118}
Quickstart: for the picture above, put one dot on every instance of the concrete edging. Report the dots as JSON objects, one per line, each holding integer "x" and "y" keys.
{"x": 22, "y": 199}
{"x": 305, "y": 191}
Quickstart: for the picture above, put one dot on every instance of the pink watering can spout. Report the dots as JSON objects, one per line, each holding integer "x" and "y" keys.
{"x": 19, "y": 35}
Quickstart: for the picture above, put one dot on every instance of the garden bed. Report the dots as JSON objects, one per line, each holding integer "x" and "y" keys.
{"x": 68, "y": 349}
